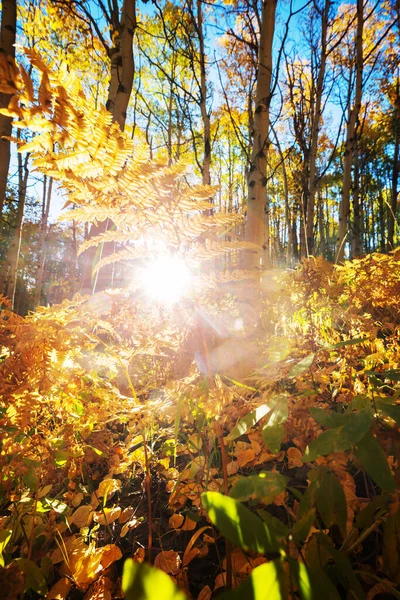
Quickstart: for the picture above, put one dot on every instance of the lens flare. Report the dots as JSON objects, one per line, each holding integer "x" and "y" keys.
{"x": 166, "y": 279}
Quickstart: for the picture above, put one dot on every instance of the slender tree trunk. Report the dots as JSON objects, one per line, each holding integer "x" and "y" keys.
{"x": 258, "y": 162}
{"x": 8, "y": 277}
{"x": 119, "y": 93}
{"x": 351, "y": 137}
{"x": 43, "y": 239}
{"x": 395, "y": 171}
{"x": 316, "y": 122}
{"x": 356, "y": 241}
{"x": 205, "y": 117}
{"x": 7, "y": 41}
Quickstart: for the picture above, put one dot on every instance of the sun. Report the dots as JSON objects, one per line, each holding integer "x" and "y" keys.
{"x": 166, "y": 279}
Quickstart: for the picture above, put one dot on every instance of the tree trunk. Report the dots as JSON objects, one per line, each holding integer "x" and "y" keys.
{"x": 119, "y": 93}
{"x": 8, "y": 278}
{"x": 395, "y": 171}
{"x": 351, "y": 137}
{"x": 316, "y": 121}
{"x": 42, "y": 243}
{"x": 205, "y": 117}
{"x": 258, "y": 162}
{"x": 7, "y": 41}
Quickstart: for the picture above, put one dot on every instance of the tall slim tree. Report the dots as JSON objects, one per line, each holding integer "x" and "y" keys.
{"x": 257, "y": 180}
{"x": 7, "y": 41}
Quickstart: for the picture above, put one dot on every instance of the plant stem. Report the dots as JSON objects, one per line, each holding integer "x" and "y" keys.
{"x": 226, "y": 491}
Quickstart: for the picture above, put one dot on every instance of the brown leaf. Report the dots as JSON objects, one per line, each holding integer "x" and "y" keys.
{"x": 245, "y": 457}
{"x": 205, "y": 593}
{"x": 176, "y": 521}
{"x": 126, "y": 514}
{"x": 168, "y": 561}
{"x": 60, "y": 590}
{"x": 294, "y": 458}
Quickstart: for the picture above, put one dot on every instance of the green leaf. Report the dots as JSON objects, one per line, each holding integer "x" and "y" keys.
{"x": 327, "y": 418}
{"x": 313, "y": 583}
{"x": 303, "y": 525}
{"x": 366, "y": 517}
{"x": 142, "y": 582}
{"x": 372, "y": 460}
{"x": 386, "y": 406}
{"x": 355, "y": 426}
{"x": 331, "y": 500}
{"x": 34, "y": 578}
{"x": 266, "y": 582}
{"x": 274, "y": 430}
{"x": 31, "y": 479}
{"x": 391, "y": 374}
{"x": 302, "y": 366}
{"x": 248, "y": 422}
{"x": 344, "y": 570}
{"x": 238, "y": 524}
{"x": 352, "y": 342}
{"x": 61, "y": 458}
{"x": 278, "y": 529}
{"x": 5, "y": 536}
{"x": 265, "y": 486}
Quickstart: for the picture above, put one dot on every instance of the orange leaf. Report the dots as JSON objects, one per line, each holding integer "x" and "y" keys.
{"x": 168, "y": 561}
{"x": 245, "y": 457}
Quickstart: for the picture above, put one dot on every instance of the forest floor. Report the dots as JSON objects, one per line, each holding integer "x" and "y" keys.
{"x": 174, "y": 436}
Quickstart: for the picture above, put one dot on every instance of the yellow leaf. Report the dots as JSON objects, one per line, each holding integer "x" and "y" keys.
{"x": 60, "y": 590}
{"x": 109, "y": 487}
{"x": 107, "y": 515}
{"x": 82, "y": 516}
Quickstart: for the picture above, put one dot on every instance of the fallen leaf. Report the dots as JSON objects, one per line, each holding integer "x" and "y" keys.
{"x": 168, "y": 561}
{"x": 109, "y": 487}
{"x": 82, "y": 517}
{"x": 294, "y": 458}
{"x": 176, "y": 521}
{"x": 205, "y": 593}
{"x": 245, "y": 457}
{"x": 107, "y": 515}
{"x": 129, "y": 525}
{"x": 126, "y": 514}
{"x": 60, "y": 590}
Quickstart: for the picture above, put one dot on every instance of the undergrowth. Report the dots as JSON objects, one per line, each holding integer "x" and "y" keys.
{"x": 226, "y": 450}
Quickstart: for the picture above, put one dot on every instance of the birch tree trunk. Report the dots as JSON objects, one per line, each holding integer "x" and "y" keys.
{"x": 7, "y": 41}
{"x": 316, "y": 122}
{"x": 257, "y": 179}
{"x": 351, "y": 138}
{"x": 119, "y": 93}
{"x": 205, "y": 117}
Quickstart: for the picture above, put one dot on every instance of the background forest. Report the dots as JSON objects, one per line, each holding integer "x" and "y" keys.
{"x": 200, "y": 300}
{"x": 187, "y": 88}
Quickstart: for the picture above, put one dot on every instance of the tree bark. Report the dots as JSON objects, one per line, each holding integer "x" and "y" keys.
{"x": 205, "y": 117}
{"x": 257, "y": 179}
{"x": 43, "y": 237}
{"x": 8, "y": 277}
{"x": 395, "y": 171}
{"x": 351, "y": 138}
{"x": 316, "y": 122}
{"x": 119, "y": 93}
{"x": 7, "y": 41}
